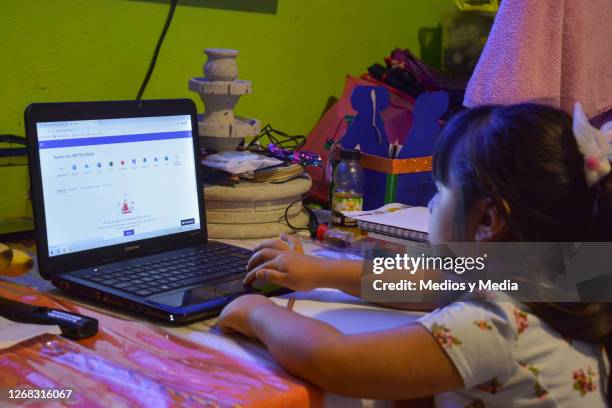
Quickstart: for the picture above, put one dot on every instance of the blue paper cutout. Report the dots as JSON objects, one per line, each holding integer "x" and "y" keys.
{"x": 369, "y": 102}
{"x": 423, "y": 134}
{"x": 418, "y": 188}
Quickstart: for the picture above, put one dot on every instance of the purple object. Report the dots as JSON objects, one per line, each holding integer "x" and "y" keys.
{"x": 302, "y": 157}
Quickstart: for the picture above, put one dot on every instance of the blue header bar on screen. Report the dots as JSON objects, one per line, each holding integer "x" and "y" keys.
{"x": 92, "y": 141}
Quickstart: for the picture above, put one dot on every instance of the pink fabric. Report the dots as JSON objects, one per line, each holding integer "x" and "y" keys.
{"x": 555, "y": 51}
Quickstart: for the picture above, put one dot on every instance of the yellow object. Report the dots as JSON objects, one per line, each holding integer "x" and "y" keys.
{"x": 14, "y": 262}
{"x": 6, "y": 256}
{"x": 490, "y": 6}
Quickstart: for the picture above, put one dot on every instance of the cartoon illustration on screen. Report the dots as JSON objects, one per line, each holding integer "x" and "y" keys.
{"x": 126, "y": 206}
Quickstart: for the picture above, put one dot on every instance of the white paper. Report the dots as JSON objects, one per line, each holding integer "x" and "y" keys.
{"x": 12, "y": 332}
{"x": 395, "y": 215}
{"x": 239, "y": 162}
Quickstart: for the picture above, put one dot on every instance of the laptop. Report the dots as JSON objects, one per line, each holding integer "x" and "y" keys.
{"x": 119, "y": 209}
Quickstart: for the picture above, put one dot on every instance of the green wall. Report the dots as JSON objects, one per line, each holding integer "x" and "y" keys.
{"x": 71, "y": 50}
{"x": 68, "y": 50}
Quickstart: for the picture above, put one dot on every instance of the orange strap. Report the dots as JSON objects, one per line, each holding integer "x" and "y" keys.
{"x": 396, "y": 166}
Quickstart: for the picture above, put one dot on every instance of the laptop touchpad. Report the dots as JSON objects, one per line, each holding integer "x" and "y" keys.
{"x": 186, "y": 297}
{"x": 232, "y": 288}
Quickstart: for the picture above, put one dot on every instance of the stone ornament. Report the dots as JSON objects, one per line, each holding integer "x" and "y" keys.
{"x": 220, "y": 90}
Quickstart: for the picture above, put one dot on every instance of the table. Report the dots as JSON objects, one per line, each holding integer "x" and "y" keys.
{"x": 138, "y": 363}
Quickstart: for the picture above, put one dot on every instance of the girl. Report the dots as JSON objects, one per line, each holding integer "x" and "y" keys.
{"x": 504, "y": 173}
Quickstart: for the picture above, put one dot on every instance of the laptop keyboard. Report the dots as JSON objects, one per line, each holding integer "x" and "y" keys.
{"x": 213, "y": 265}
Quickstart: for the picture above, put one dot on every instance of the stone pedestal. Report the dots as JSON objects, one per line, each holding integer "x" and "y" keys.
{"x": 254, "y": 210}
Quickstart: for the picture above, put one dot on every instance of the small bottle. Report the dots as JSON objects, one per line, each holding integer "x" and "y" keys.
{"x": 334, "y": 157}
{"x": 348, "y": 188}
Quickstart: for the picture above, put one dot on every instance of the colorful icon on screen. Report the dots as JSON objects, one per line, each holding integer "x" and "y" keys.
{"x": 133, "y": 161}
{"x": 144, "y": 160}
{"x": 74, "y": 167}
{"x": 126, "y": 206}
{"x": 123, "y": 162}
{"x": 110, "y": 163}
{"x": 166, "y": 158}
{"x": 99, "y": 164}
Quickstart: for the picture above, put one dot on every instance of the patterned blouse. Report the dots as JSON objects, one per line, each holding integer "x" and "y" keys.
{"x": 508, "y": 357}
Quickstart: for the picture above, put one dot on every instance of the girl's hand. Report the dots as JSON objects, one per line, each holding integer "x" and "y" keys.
{"x": 235, "y": 317}
{"x": 287, "y": 268}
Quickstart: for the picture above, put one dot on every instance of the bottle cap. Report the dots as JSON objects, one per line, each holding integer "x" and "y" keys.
{"x": 320, "y": 232}
{"x": 350, "y": 154}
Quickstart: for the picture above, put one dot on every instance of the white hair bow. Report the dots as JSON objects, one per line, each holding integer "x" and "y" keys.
{"x": 595, "y": 145}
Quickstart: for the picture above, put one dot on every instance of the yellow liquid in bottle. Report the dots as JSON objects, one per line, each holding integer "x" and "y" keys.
{"x": 346, "y": 201}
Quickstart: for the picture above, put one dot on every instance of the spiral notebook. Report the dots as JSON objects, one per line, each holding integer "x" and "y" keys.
{"x": 394, "y": 220}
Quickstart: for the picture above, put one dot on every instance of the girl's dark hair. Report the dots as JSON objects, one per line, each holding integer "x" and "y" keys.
{"x": 526, "y": 156}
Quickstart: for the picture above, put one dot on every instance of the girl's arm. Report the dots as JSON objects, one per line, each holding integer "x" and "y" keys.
{"x": 282, "y": 262}
{"x": 401, "y": 363}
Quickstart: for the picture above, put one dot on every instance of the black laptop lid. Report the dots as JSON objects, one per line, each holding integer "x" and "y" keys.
{"x": 113, "y": 180}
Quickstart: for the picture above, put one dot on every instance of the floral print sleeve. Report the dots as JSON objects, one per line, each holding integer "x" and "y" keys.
{"x": 479, "y": 338}
{"x": 507, "y": 356}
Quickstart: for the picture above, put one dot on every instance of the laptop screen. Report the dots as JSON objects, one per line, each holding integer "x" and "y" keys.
{"x": 113, "y": 181}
